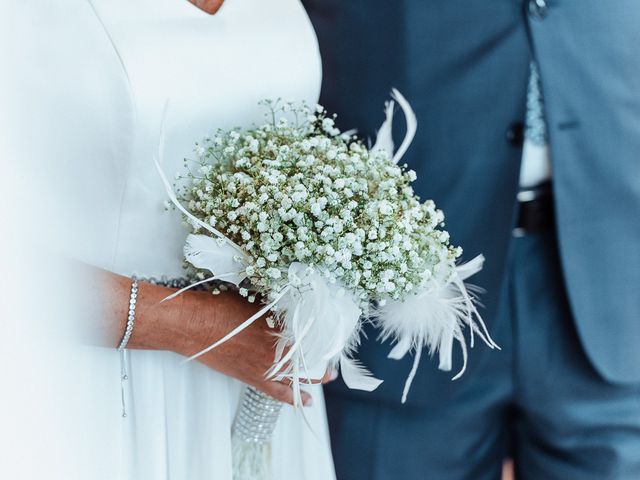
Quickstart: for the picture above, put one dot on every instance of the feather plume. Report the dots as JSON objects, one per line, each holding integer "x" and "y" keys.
{"x": 319, "y": 325}
{"x": 356, "y": 376}
{"x": 433, "y": 319}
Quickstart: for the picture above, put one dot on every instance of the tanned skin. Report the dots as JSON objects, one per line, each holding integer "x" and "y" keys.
{"x": 209, "y": 6}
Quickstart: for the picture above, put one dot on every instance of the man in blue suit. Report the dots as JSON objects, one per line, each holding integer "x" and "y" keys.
{"x": 548, "y": 190}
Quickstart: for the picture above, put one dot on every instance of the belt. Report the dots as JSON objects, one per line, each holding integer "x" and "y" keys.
{"x": 535, "y": 210}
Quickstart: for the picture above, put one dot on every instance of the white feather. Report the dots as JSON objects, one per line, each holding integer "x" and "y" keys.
{"x": 433, "y": 319}
{"x": 320, "y": 324}
{"x": 412, "y": 124}
{"x": 158, "y": 161}
{"x": 251, "y": 460}
{"x": 217, "y": 256}
{"x": 384, "y": 139}
{"x": 356, "y": 376}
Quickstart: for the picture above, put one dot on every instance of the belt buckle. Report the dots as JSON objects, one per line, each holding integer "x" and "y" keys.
{"x": 536, "y": 197}
{"x": 518, "y": 232}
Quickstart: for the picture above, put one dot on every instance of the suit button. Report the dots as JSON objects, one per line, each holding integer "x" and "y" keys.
{"x": 538, "y": 9}
{"x": 515, "y": 134}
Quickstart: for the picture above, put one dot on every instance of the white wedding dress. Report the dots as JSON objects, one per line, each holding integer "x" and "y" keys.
{"x": 102, "y": 72}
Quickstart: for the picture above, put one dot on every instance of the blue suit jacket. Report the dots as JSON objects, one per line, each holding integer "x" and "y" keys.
{"x": 463, "y": 65}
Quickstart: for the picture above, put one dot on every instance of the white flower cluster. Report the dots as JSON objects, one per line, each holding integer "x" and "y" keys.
{"x": 301, "y": 191}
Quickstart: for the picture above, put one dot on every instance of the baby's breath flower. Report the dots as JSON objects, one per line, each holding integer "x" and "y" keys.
{"x": 299, "y": 190}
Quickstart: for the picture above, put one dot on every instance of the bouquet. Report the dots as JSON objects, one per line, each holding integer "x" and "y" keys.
{"x": 327, "y": 233}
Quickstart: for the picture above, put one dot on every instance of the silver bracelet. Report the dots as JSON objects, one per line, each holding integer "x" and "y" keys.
{"x": 131, "y": 319}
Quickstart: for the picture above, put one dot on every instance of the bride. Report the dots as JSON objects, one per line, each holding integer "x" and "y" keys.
{"x": 111, "y": 66}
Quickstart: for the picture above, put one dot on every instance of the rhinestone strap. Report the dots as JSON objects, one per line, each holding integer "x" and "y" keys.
{"x": 131, "y": 317}
{"x": 257, "y": 417}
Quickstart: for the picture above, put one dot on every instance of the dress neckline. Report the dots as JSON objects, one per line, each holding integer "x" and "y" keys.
{"x": 197, "y": 9}
{"x": 125, "y": 9}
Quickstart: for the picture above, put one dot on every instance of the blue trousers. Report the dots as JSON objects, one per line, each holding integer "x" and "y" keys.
{"x": 538, "y": 400}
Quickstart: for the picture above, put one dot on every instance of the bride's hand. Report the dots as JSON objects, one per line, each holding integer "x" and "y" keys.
{"x": 191, "y": 322}
{"x": 246, "y": 356}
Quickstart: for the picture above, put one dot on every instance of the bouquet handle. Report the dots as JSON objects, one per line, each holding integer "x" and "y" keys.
{"x": 252, "y": 433}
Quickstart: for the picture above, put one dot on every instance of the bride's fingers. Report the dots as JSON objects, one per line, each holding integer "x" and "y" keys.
{"x": 304, "y": 380}
{"x": 330, "y": 375}
{"x": 284, "y": 393}
{"x": 287, "y": 380}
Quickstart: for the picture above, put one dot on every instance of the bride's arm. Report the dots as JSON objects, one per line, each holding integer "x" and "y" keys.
{"x": 189, "y": 323}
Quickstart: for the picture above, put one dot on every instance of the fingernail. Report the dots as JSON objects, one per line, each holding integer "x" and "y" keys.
{"x": 308, "y": 401}
{"x": 333, "y": 375}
